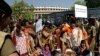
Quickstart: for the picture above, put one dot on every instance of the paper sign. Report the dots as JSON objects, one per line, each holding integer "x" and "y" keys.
{"x": 80, "y": 11}
{"x": 39, "y": 25}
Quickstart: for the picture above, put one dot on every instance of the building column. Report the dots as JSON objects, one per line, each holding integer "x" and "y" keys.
{"x": 41, "y": 15}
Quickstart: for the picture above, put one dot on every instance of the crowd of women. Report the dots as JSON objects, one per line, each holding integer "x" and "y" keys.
{"x": 67, "y": 39}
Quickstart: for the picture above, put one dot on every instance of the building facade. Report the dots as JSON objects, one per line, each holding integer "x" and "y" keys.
{"x": 39, "y": 12}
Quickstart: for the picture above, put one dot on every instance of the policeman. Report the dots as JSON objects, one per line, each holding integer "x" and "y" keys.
{"x": 6, "y": 46}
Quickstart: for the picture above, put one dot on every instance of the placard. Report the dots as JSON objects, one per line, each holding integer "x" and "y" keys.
{"x": 39, "y": 25}
{"x": 80, "y": 11}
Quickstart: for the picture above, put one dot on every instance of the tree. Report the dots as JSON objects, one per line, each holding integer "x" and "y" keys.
{"x": 78, "y": 2}
{"x": 93, "y": 3}
{"x": 22, "y": 9}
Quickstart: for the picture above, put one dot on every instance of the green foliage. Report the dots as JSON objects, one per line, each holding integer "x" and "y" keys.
{"x": 23, "y": 9}
{"x": 28, "y": 16}
{"x": 93, "y": 3}
{"x": 44, "y": 16}
{"x": 78, "y": 2}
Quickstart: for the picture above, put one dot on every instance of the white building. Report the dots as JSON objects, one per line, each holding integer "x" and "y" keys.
{"x": 40, "y": 11}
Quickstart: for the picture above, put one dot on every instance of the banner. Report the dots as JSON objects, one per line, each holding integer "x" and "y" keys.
{"x": 39, "y": 25}
{"x": 80, "y": 11}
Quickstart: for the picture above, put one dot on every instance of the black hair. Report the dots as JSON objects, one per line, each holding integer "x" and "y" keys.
{"x": 23, "y": 22}
{"x": 5, "y": 13}
{"x": 91, "y": 21}
{"x": 83, "y": 42}
{"x": 4, "y": 9}
{"x": 37, "y": 47}
{"x": 47, "y": 45}
{"x": 41, "y": 55}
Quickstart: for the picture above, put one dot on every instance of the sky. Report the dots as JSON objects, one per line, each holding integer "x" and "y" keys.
{"x": 45, "y": 3}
